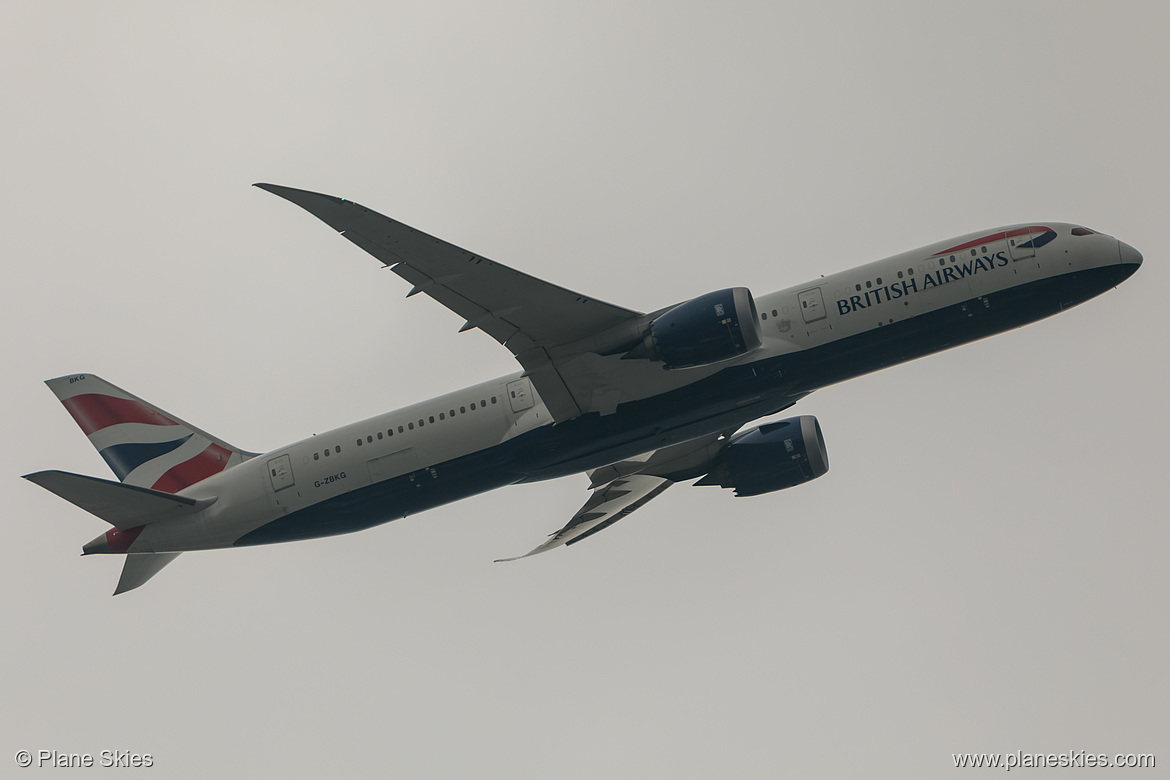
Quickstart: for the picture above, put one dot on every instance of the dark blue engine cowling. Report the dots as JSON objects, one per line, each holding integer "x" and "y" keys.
{"x": 707, "y": 329}
{"x": 772, "y": 457}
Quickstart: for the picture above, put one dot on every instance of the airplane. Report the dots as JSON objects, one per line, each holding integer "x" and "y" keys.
{"x": 637, "y": 401}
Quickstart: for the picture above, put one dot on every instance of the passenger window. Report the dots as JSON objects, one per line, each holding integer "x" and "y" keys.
{"x": 410, "y": 425}
{"x": 764, "y": 316}
{"x": 316, "y": 456}
{"x": 482, "y": 402}
{"x": 909, "y": 271}
{"x": 452, "y": 412}
{"x": 370, "y": 439}
{"x": 421, "y": 423}
{"x": 868, "y": 285}
{"x": 326, "y": 453}
{"x": 774, "y": 314}
{"x": 359, "y": 442}
{"x": 493, "y": 399}
{"x": 337, "y": 449}
{"x": 462, "y": 410}
{"x": 400, "y": 429}
{"x": 473, "y": 406}
{"x": 380, "y": 435}
{"x": 941, "y": 261}
{"x": 442, "y": 416}
{"x": 899, "y": 274}
{"x": 973, "y": 253}
{"x": 982, "y": 249}
{"x": 431, "y": 419}
{"x": 858, "y": 287}
{"x": 879, "y": 280}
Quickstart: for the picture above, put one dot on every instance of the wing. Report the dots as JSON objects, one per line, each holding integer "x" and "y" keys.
{"x": 606, "y": 506}
{"x": 531, "y": 317}
{"x": 620, "y": 488}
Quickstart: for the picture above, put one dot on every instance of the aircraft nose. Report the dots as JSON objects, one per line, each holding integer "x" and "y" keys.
{"x": 1129, "y": 255}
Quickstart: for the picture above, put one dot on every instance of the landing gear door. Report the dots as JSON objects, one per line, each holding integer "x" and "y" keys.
{"x": 520, "y": 394}
{"x": 812, "y": 305}
{"x": 280, "y": 472}
{"x": 1020, "y": 246}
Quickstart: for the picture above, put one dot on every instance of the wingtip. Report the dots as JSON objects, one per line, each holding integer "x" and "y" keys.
{"x": 306, "y": 199}
{"x": 518, "y": 557}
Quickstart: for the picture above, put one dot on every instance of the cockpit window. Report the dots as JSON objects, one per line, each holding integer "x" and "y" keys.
{"x": 1080, "y": 231}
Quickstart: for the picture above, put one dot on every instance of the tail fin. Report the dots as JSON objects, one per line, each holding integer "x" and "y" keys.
{"x": 145, "y": 446}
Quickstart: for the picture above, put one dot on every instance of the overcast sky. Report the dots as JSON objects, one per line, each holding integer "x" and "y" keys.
{"x": 983, "y": 568}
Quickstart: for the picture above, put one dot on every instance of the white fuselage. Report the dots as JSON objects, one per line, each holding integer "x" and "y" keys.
{"x": 799, "y": 324}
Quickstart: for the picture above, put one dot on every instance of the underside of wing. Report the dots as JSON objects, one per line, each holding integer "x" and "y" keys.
{"x": 620, "y": 488}
{"x": 529, "y": 316}
{"x": 606, "y": 506}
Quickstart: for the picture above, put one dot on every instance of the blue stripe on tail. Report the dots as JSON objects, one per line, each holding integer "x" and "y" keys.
{"x": 124, "y": 458}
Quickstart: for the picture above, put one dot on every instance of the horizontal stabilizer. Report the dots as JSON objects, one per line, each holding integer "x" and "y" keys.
{"x": 122, "y": 506}
{"x": 140, "y": 567}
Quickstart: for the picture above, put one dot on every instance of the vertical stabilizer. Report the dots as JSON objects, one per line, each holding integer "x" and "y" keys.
{"x": 143, "y": 445}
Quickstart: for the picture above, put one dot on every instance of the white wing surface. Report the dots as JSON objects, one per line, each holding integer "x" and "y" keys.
{"x": 608, "y": 504}
{"x": 620, "y": 488}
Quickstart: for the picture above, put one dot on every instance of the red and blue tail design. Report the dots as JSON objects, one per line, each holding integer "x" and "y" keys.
{"x": 145, "y": 446}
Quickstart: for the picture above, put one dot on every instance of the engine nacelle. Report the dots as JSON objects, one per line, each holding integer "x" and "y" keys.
{"x": 704, "y": 330}
{"x": 771, "y": 457}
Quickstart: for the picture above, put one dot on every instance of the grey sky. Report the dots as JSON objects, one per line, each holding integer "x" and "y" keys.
{"x": 983, "y": 568}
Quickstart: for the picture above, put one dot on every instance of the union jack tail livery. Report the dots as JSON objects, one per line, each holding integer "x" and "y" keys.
{"x": 143, "y": 445}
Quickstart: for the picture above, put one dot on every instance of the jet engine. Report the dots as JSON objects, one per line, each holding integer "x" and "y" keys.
{"x": 771, "y": 457}
{"x": 704, "y": 330}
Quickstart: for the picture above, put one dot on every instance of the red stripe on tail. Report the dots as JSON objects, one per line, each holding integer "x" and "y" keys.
{"x": 94, "y": 412}
{"x": 212, "y": 460}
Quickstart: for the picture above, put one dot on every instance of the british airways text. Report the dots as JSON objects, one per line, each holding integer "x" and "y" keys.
{"x": 950, "y": 273}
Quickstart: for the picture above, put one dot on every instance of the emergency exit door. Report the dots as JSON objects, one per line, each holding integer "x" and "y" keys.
{"x": 520, "y": 394}
{"x": 280, "y": 472}
{"x": 812, "y": 305}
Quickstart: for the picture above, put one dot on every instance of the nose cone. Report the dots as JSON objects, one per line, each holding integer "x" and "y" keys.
{"x": 1129, "y": 255}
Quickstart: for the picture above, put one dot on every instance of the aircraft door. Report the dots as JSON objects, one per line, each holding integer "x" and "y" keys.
{"x": 812, "y": 305}
{"x": 520, "y": 394}
{"x": 1020, "y": 247}
{"x": 280, "y": 472}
